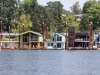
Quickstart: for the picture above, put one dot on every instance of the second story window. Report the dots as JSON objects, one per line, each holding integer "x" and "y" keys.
{"x": 59, "y": 38}
{"x": 34, "y": 37}
{"x": 98, "y": 39}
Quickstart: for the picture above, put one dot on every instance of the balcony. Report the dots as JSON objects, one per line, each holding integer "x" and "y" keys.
{"x": 34, "y": 39}
{"x": 82, "y": 40}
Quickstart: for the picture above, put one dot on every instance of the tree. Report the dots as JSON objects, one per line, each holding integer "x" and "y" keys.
{"x": 56, "y": 9}
{"x": 88, "y": 5}
{"x": 84, "y": 24}
{"x": 93, "y": 13}
{"x": 7, "y": 11}
{"x": 76, "y": 8}
{"x": 38, "y": 15}
{"x": 25, "y": 20}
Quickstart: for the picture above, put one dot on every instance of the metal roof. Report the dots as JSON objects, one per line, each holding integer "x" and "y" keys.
{"x": 11, "y": 34}
{"x": 31, "y": 32}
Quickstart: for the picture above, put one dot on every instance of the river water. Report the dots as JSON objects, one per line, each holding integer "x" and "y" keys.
{"x": 50, "y": 62}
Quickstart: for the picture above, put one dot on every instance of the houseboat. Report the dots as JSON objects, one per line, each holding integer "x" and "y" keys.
{"x": 96, "y": 42}
{"x": 57, "y": 41}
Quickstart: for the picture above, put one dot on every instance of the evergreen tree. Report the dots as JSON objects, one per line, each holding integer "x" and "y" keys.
{"x": 76, "y": 8}
{"x": 92, "y": 9}
{"x": 84, "y": 24}
{"x": 56, "y": 9}
{"x": 7, "y": 11}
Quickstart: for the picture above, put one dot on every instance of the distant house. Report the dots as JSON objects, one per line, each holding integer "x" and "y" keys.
{"x": 96, "y": 41}
{"x": 78, "y": 17}
{"x": 31, "y": 38}
{"x": 58, "y": 41}
{"x": 81, "y": 39}
{"x": 7, "y": 41}
{"x": 77, "y": 39}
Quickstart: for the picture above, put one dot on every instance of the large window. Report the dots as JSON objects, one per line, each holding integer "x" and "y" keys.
{"x": 50, "y": 44}
{"x": 25, "y": 39}
{"x": 34, "y": 37}
{"x": 59, "y": 38}
{"x": 58, "y": 45}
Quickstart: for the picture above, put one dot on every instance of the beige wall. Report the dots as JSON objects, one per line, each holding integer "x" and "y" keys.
{"x": 7, "y": 44}
{"x": 40, "y": 39}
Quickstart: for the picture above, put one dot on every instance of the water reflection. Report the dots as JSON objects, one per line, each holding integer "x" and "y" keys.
{"x": 49, "y": 62}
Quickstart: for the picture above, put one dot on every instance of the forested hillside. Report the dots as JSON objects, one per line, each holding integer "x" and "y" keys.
{"x": 30, "y": 14}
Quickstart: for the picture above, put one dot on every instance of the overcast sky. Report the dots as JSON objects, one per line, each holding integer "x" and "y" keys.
{"x": 66, "y": 3}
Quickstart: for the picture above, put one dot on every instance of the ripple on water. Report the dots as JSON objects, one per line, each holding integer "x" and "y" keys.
{"x": 49, "y": 62}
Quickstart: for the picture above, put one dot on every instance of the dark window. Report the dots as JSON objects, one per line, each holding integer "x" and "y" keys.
{"x": 59, "y": 38}
{"x": 6, "y": 45}
{"x": 94, "y": 43}
{"x": 58, "y": 45}
{"x": 48, "y": 44}
{"x": 95, "y": 33}
{"x": 53, "y": 39}
{"x": 98, "y": 43}
{"x": 24, "y": 39}
{"x": 98, "y": 39}
{"x": 51, "y": 44}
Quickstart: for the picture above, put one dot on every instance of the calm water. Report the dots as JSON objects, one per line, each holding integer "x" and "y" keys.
{"x": 49, "y": 62}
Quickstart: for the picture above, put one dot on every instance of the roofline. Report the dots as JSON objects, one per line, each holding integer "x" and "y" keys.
{"x": 31, "y": 32}
{"x": 60, "y": 33}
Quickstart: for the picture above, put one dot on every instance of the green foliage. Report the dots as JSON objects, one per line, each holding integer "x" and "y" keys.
{"x": 92, "y": 9}
{"x": 25, "y": 20}
{"x": 56, "y": 9}
{"x": 76, "y": 8}
{"x": 32, "y": 15}
{"x": 15, "y": 39}
{"x": 84, "y": 24}
{"x": 88, "y": 5}
{"x": 70, "y": 19}
{"x": 7, "y": 10}
{"x": 4, "y": 39}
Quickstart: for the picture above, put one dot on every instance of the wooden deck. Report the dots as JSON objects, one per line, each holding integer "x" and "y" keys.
{"x": 71, "y": 48}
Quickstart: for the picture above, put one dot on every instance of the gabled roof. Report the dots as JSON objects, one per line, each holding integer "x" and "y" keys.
{"x": 62, "y": 34}
{"x": 31, "y": 32}
{"x": 96, "y": 38}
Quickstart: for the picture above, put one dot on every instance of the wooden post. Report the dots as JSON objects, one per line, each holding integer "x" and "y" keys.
{"x": 43, "y": 33}
{"x": 9, "y": 36}
{"x": 90, "y": 36}
{"x": 0, "y": 32}
{"x": 15, "y": 33}
{"x": 66, "y": 36}
{"x": 1, "y": 28}
{"x": 19, "y": 35}
{"x": 46, "y": 32}
{"x": 23, "y": 28}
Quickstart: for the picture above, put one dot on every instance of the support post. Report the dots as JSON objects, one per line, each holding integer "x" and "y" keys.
{"x": 66, "y": 36}
{"x": 19, "y": 35}
{"x": 46, "y": 33}
{"x": 1, "y": 32}
{"x": 23, "y": 28}
{"x": 43, "y": 33}
{"x": 90, "y": 36}
{"x": 9, "y": 36}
